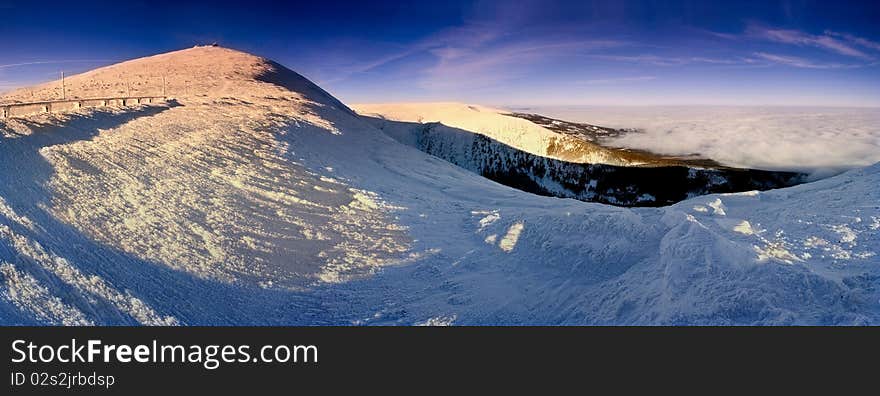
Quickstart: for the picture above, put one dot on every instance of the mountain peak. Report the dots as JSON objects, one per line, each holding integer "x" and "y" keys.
{"x": 201, "y": 71}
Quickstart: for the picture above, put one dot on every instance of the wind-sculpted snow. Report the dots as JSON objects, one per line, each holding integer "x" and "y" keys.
{"x": 572, "y": 262}
{"x": 207, "y": 189}
{"x": 283, "y": 207}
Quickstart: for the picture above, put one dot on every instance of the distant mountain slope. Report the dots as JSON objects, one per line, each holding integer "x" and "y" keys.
{"x": 494, "y": 124}
{"x": 532, "y": 133}
{"x": 518, "y": 153}
{"x": 601, "y": 135}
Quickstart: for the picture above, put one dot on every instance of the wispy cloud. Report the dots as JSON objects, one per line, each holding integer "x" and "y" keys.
{"x": 352, "y": 68}
{"x": 726, "y": 36}
{"x": 863, "y": 42}
{"x": 618, "y": 80}
{"x": 485, "y": 49}
{"x": 492, "y": 54}
{"x": 669, "y": 60}
{"x": 839, "y": 43}
{"x": 825, "y": 41}
{"x": 464, "y": 63}
{"x": 53, "y": 62}
{"x": 800, "y": 62}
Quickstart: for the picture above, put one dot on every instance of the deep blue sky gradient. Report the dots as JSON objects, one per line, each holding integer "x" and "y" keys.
{"x": 490, "y": 52}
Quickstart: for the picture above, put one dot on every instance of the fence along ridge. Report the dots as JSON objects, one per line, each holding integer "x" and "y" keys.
{"x": 12, "y": 110}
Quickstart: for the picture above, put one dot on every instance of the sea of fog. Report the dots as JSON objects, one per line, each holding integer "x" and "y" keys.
{"x": 813, "y": 139}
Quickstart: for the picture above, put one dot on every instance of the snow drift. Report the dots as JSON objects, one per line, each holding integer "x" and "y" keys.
{"x": 258, "y": 198}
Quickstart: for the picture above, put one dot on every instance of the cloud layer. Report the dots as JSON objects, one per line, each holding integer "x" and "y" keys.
{"x": 820, "y": 140}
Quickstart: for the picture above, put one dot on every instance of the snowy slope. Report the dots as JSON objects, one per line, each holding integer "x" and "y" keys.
{"x": 496, "y": 255}
{"x": 197, "y": 71}
{"x": 662, "y": 183}
{"x": 496, "y": 125}
{"x": 269, "y": 202}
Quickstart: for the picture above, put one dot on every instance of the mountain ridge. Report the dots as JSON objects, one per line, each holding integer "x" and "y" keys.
{"x": 201, "y": 71}
{"x": 279, "y": 207}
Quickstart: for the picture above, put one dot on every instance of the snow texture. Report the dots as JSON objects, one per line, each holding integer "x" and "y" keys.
{"x": 263, "y": 200}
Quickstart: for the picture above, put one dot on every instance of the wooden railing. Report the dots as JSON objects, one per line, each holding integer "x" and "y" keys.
{"x": 59, "y": 106}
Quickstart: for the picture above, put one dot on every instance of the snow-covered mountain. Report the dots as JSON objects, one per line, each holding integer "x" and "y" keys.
{"x": 494, "y": 124}
{"x": 551, "y": 159}
{"x": 255, "y": 197}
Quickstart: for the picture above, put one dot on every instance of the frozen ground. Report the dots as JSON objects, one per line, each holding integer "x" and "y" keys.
{"x": 261, "y": 204}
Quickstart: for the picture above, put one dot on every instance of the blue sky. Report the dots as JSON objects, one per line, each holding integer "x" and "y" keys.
{"x": 489, "y": 52}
